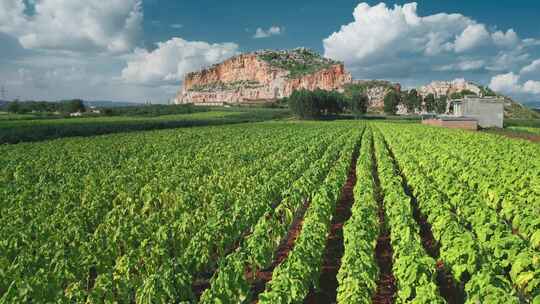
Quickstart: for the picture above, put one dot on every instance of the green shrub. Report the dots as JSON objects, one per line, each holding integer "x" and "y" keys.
{"x": 391, "y": 101}
{"x": 359, "y": 103}
{"x": 429, "y": 102}
{"x": 440, "y": 105}
{"x": 412, "y": 101}
{"x": 307, "y": 104}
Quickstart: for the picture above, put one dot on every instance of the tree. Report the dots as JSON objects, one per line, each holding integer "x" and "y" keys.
{"x": 466, "y": 92}
{"x": 359, "y": 103}
{"x": 314, "y": 104}
{"x": 461, "y": 94}
{"x": 329, "y": 102}
{"x": 485, "y": 91}
{"x": 430, "y": 103}
{"x": 14, "y": 107}
{"x": 72, "y": 106}
{"x": 441, "y": 104}
{"x": 391, "y": 101}
{"x": 412, "y": 101}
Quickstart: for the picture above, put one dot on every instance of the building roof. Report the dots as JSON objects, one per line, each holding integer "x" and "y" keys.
{"x": 455, "y": 118}
{"x": 487, "y": 99}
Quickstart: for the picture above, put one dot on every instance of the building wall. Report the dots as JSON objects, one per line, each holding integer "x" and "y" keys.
{"x": 488, "y": 113}
{"x": 452, "y": 124}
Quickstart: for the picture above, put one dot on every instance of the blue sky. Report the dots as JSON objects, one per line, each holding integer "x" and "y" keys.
{"x": 137, "y": 50}
{"x": 308, "y": 22}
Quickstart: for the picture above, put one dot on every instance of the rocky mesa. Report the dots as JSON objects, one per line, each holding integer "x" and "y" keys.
{"x": 262, "y": 76}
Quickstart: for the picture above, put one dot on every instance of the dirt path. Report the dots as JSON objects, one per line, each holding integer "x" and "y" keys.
{"x": 516, "y": 134}
{"x": 328, "y": 283}
{"x": 386, "y": 285}
{"x": 263, "y": 276}
{"x": 449, "y": 289}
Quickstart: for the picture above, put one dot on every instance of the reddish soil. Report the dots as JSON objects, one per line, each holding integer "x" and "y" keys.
{"x": 202, "y": 281}
{"x": 263, "y": 276}
{"x": 515, "y": 134}
{"x": 386, "y": 285}
{"x": 449, "y": 289}
{"x": 92, "y": 275}
{"x": 428, "y": 240}
{"x": 328, "y": 284}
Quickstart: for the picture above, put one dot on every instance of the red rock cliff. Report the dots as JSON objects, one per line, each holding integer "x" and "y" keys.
{"x": 248, "y": 78}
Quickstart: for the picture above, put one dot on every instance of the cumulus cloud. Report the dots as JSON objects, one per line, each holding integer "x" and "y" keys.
{"x": 467, "y": 65}
{"x": 533, "y": 67}
{"x": 417, "y": 44}
{"x": 171, "y": 60}
{"x": 510, "y": 83}
{"x": 531, "y": 86}
{"x": 75, "y": 25}
{"x": 473, "y": 36}
{"x": 272, "y": 31}
{"x": 505, "y": 83}
{"x": 509, "y": 39}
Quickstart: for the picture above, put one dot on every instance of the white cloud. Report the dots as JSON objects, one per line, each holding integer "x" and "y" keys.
{"x": 531, "y": 68}
{"x": 474, "y": 36}
{"x": 272, "y": 31}
{"x": 507, "y": 60}
{"x": 395, "y": 42}
{"x": 467, "y": 65}
{"x": 531, "y": 86}
{"x": 505, "y": 83}
{"x": 75, "y": 25}
{"x": 509, "y": 83}
{"x": 172, "y": 59}
{"x": 509, "y": 39}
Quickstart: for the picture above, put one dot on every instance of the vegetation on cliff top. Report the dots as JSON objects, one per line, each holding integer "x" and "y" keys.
{"x": 298, "y": 62}
{"x": 223, "y": 86}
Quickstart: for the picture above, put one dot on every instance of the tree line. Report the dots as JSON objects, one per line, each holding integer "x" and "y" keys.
{"x": 414, "y": 102}
{"x": 64, "y": 107}
{"x": 319, "y": 103}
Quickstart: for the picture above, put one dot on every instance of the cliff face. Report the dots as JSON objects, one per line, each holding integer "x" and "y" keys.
{"x": 446, "y": 88}
{"x": 375, "y": 90}
{"x": 253, "y": 77}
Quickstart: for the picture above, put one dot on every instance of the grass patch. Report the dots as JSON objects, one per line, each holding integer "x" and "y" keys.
{"x": 15, "y": 131}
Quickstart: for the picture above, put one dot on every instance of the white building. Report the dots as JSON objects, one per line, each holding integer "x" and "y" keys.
{"x": 488, "y": 111}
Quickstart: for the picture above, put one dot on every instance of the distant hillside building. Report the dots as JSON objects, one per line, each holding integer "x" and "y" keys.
{"x": 472, "y": 112}
{"x": 488, "y": 111}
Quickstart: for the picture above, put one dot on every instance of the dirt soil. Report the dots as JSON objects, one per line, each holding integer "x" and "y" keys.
{"x": 449, "y": 289}
{"x": 328, "y": 284}
{"x": 386, "y": 285}
{"x": 520, "y": 135}
{"x": 263, "y": 276}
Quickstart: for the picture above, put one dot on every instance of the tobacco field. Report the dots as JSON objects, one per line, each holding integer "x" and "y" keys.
{"x": 272, "y": 212}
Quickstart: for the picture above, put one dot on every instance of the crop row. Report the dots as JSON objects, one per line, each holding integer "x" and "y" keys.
{"x": 229, "y": 284}
{"x": 112, "y": 218}
{"x": 413, "y": 268}
{"x": 292, "y": 279}
{"x": 358, "y": 272}
{"x": 481, "y": 250}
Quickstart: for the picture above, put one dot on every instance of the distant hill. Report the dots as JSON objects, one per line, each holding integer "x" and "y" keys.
{"x": 532, "y": 104}
{"x": 110, "y": 104}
